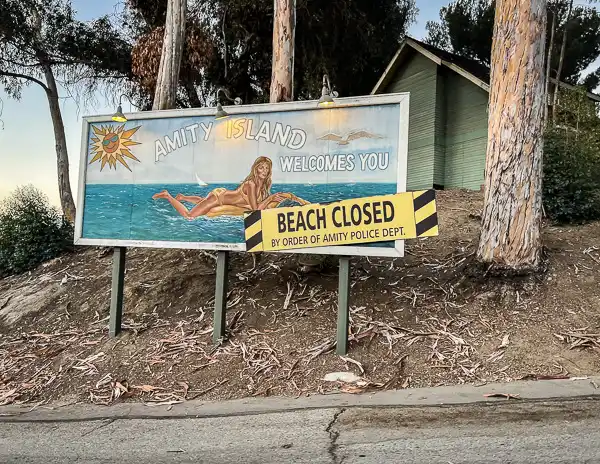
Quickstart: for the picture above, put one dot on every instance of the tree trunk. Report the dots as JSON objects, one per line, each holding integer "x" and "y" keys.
{"x": 192, "y": 95}
{"x": 282, "y": 69}
{"x": 62, "y": 158}
{"x": 170, "y": 59}
{"x": 561, "y": 60}
{"x": 549, "y": 68}
{"x": 284, "y": 31}
{"x": 510, "y": 235}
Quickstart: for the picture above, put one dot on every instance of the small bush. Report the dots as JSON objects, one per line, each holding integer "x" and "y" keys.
{"x": 31, "y": 231}
{"x": 571, "y": 190}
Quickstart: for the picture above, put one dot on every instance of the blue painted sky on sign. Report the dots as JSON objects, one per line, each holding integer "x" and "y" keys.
{"x": 211, "y": 152}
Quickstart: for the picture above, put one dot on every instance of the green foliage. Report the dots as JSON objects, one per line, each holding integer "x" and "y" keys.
{"x": 351, "y": 40}
{"x": 41, "y": 35}
{"x": 571, "y": 191}
{"x": 466, "y": 28}
{"x": 31, "y": 231}
{"x": 579, "y": 113}
{"x": 145, "y": 15}
{"x": 572, "y": 160}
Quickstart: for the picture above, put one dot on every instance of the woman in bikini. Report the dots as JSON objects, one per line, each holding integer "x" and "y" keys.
{"x": 254, "y": 193}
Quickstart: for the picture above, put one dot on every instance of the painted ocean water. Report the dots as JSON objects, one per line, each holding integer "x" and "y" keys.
{"x": 128, "y": 212}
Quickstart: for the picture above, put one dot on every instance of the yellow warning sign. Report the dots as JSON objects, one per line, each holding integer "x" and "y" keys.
{"x": 364, "y": 220}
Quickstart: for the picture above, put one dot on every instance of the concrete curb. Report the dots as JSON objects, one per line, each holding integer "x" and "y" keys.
{"x": 543, "y": 390}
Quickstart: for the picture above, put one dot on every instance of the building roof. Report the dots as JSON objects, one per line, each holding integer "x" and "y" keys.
{"x": 473, "y": 70}
{"x": 474, "y": 67}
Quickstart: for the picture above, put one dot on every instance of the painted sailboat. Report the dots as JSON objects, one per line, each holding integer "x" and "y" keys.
{"x": 201, "y": 183}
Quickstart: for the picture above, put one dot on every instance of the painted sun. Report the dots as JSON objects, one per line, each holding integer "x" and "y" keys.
{"x": 110, "y": 144}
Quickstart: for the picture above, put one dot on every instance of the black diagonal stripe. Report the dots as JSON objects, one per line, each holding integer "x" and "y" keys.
{"x": 424, "y": 199}
{"x": 254, "y": 241}
{"x": 427, "y": 224}
{"x": 251, "y": 219}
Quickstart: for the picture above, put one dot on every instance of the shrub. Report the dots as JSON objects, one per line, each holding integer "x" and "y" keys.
{"x": 571, "y": 189}
{"x": 31, "y": 231}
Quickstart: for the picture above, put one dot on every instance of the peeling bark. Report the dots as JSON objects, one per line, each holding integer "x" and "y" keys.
{"x": 170, "y": 59}
{"x": 62, "y": 158}
{"x": 284, "y": 30}
{"x": 510, "y": 235}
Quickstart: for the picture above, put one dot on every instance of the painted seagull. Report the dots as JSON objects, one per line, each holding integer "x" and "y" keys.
{"x": 354, "y": 135}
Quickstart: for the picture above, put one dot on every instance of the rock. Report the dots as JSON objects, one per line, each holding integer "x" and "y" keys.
{"x": 346, "y": 377}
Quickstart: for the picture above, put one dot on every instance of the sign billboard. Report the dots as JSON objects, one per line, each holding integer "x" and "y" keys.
{"x": 183, "y": 179}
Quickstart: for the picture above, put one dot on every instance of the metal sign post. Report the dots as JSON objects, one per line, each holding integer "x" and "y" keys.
{"x": 116, "y": 291}
{"x": 222, "y": 280}
{"x": 343, "y": 306}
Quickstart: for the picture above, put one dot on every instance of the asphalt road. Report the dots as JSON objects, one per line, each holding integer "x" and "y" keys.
{"x": 515, "y": 432}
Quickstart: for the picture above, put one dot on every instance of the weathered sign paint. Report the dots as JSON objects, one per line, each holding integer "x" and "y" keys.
{"x": 384, "y": 218}
{"x": 182, "y": 179}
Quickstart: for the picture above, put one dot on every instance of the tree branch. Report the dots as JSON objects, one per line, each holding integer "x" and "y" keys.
{"x": 24, "y": 76}
{"x": 22, "y": 65}
{"x": 79, "y": 79}
{"x": 60, "y": 60}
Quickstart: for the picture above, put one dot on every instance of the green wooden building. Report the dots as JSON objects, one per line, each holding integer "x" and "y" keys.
{"x": 448, "y": 114}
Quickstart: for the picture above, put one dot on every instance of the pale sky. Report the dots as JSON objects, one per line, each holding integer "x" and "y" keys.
{"x": 27, "y": 152}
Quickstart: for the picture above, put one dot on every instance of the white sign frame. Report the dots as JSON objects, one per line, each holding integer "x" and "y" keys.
{"x": 403, "y": 99}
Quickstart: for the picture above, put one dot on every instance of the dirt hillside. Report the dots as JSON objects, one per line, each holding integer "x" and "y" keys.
{"x": 428, "y": 319}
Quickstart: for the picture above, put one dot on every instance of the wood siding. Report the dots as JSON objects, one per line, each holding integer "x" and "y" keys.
{"x": 439, "y": 166}
{"x": 418, "y": 75}
{"x": 466, "y": 122}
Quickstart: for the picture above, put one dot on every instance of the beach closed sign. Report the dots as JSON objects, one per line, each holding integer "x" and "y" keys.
{"x": 184, "y": 179}
{"x": 364, "y": 220}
